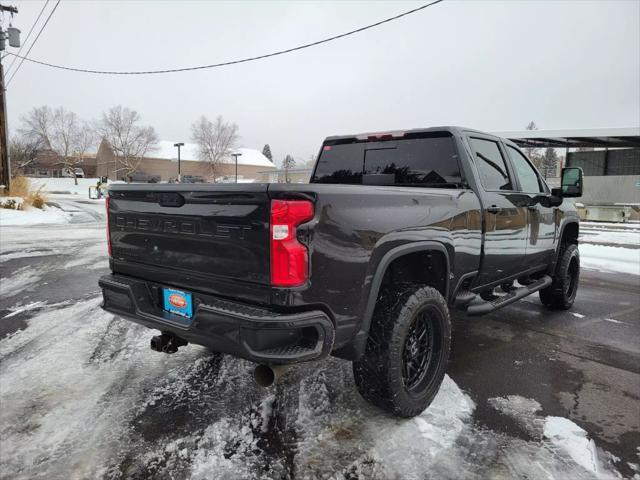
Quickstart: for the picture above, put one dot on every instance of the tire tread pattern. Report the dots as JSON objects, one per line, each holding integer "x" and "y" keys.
{"x": 378, "y": 373}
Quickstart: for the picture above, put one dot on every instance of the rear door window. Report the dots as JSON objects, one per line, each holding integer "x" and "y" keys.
{"x": 424, "y": 161}
{"x": 491, "y": 165}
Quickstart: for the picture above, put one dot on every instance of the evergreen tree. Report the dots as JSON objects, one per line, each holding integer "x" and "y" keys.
{"x": 288, "y": 163}
{"x": 532, "y": 152}
{"x": 266, "y": 151}
{"x": 549, "y": 162}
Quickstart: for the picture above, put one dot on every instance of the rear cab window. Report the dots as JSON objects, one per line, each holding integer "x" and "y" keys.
{"x": 415, "y": 159}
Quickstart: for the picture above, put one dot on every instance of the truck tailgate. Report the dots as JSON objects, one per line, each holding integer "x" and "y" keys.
{"x": 211, "y": 230}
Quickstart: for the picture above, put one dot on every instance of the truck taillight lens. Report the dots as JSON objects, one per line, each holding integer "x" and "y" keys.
{"x": 289, "y": 257}
{"x": 106, "y": 202}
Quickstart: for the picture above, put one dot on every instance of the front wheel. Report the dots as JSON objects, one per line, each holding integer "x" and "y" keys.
{"x": 407, "y": 351}
{"x": 562, "y": 292}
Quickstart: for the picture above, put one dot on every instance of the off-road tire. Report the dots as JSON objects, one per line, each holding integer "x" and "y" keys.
{"x": 380, "y": 373}
{"x": 561, "y": 294}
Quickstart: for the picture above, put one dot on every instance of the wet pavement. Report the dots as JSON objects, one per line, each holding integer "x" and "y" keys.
{"x": 83, "y": 396}
{"x": 583, "y": 364}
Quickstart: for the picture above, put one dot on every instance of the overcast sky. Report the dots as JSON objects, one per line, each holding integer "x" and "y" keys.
{"x": 488, "y": 65}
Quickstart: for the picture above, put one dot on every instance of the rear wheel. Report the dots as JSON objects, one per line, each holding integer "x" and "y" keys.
{"x": 407, "y": 351}
{"x": 562, "y": 292}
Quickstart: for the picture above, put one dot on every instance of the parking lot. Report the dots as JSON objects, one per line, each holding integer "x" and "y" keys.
{"x": 530, "y": 393}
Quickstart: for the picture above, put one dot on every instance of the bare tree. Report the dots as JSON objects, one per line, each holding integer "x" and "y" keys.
{"x": 129, "y": 141}
{"x": 59, "y": 130}
{"x": 65, "y": 128}
{"x": 23, "y": 152}
{"x": 216, "y": 140}
{"x": 85, "y": 139}
{"x": 36, "y": 126}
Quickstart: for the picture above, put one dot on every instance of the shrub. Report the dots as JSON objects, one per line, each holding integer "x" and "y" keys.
{"x": 21, "y": 189}
{"x": 37, "y": 199}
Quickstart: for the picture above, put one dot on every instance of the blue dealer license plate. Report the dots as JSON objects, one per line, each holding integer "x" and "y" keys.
{"x": 178, "y": 302}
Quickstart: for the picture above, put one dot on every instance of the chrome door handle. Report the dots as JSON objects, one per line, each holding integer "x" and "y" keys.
{"x": 494, "y": 209}
{"x": 532, "y": 207}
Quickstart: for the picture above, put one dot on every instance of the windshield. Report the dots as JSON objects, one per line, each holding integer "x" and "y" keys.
{"x": 424, "y": 161}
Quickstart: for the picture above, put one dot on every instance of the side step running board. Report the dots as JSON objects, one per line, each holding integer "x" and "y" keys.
{"x": 481, "y": 307}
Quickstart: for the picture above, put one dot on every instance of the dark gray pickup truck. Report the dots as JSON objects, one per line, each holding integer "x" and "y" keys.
{"x": 362, "y": 263}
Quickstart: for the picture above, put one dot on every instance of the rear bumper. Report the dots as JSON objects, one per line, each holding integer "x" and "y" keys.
{"x": 246, "y": 331}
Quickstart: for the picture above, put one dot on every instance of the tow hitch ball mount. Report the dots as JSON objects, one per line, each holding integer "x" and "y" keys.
{"x": 167, "y": 343}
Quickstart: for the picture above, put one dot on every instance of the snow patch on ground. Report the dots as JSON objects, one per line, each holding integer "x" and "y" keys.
{"x": 605, "y": 258}
{"x": 64, "y": 185}
{"x": 610, "y": 226}
{"x": 40, "y": 305}
{"x": 621, "y": 237}
{"x": 566, "y": 439}
{"x": 22, "y": 280}
{"x": 52, "y": 383}
{"x": 572, "y": 439}
{"x": 522, "y": 410}
{"x": 33, "y": 216}
{"x": 612, "y": 320}
{"x": 89, "y": 256}
{"x": 24, "y": 308}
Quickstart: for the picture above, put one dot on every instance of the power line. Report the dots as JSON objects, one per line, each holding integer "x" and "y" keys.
{"x": 33, "y": 43}
{"x": 224, "y": 64}
{"x": 28, "y": 35}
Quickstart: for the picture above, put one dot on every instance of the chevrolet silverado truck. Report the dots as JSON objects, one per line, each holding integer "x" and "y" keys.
{"x": 364, "y": 262}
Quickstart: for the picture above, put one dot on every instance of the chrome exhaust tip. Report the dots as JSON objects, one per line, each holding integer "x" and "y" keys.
{"x": 267, "y": 375}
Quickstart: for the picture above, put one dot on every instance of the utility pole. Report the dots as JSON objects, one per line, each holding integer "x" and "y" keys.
{"x": 236, "y": 155}
{"x": 179, "y": 144}
{"x": 13, "y": 34}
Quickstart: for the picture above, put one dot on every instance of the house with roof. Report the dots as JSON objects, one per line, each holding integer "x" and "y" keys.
{"x": 161, "y": 164}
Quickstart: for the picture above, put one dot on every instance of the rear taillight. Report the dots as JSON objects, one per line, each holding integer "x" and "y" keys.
{"x": 106, "y": 202}
{"x": 289, "y": 257}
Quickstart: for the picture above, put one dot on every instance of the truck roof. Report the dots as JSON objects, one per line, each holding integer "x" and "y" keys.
{"x": 400, "y": 132}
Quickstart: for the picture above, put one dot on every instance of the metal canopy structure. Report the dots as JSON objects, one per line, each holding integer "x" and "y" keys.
{"x": 590, "y": 137}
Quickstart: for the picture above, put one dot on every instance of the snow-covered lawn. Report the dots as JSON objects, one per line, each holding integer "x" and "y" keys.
{"x": 64, "y": 185}
{"x": 60, "y": 209}
{"x": 606, "y": 258}
{"x": 33, "y": 216}
{"x": 610, "y": 247}
{"x": 608, "y": 236}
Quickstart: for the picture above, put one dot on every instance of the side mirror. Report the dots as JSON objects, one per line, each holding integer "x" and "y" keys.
{"x": 548, "y": 201}
{"x": 572, "y": 183}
